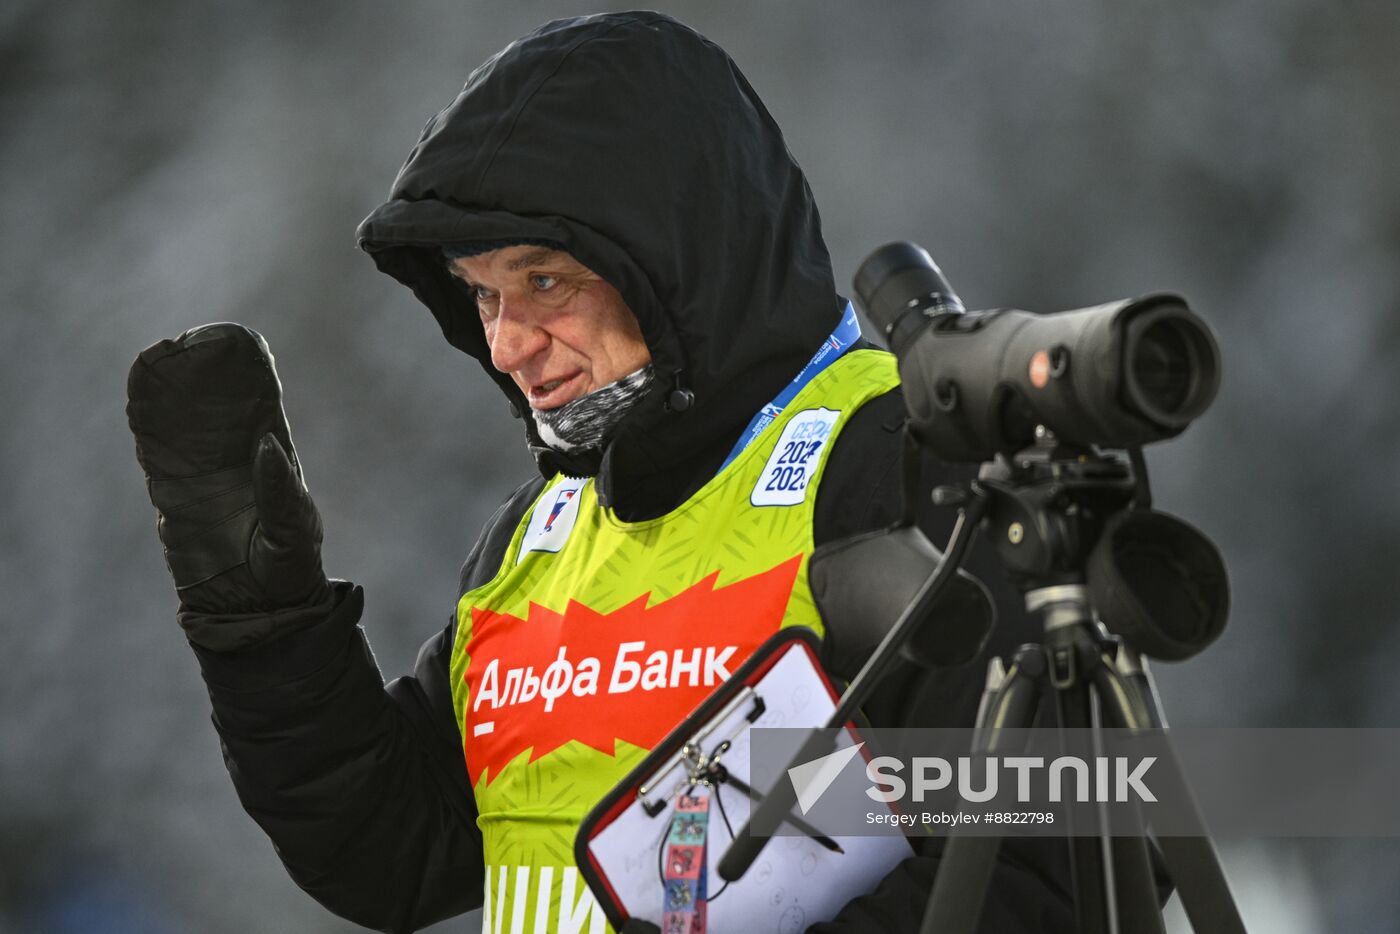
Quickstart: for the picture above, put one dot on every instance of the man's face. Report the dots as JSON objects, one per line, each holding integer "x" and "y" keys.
{"x": 553, "y": 324}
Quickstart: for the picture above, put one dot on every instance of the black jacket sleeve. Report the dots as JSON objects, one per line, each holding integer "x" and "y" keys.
{"x": 861, "y": 491}
{"x": 353, "y": 781}
{"x": 361, "y": 786}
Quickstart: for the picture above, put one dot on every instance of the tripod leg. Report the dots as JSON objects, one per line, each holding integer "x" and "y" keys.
{"x": 1087, "y": 861}
{"x": 1134, "y": 891}
{"x": 1192, "y": 862}
{"x": 965, "y": 872}
{"x": 1134, "y": 888}
{"x": 960, "y": 887}
{"x": 1195, "y": 869}
{"x": 1130, "y": 701}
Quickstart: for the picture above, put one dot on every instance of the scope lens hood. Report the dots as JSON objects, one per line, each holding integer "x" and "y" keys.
{"x": 1171, "y": 370}
{"x": 1159, "y": 583}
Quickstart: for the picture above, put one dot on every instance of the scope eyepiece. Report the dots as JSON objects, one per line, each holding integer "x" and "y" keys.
{"x": 901, "y": 287}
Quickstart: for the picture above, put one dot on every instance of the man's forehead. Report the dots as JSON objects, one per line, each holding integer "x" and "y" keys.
{"x": 531, "y": 256}
{"x": 511, "y": 259}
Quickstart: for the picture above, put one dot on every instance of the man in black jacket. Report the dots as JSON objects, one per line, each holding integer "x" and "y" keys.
{"x": 629, "y": 153}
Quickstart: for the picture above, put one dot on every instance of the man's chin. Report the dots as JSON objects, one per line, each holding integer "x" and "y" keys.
{"x": 553, "y": 406}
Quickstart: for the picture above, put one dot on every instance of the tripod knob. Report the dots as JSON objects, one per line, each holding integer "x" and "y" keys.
{"x": 950, "y": 496}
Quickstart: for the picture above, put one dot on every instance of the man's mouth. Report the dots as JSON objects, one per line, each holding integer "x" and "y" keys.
{"x": 555, "y": 392}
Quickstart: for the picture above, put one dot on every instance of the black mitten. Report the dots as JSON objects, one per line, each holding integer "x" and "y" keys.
{"x": 242, "y": 536}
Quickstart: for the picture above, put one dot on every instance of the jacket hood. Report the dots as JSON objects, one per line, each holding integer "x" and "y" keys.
{"x": 639, "y": 145}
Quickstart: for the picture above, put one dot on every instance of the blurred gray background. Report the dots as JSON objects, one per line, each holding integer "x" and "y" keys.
{"x": 165, "y": 164}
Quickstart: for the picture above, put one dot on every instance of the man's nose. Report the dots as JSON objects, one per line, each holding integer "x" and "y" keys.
{"x": 517, "y": 337}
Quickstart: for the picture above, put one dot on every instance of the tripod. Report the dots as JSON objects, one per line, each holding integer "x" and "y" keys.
{"x": 1043, "y": 513}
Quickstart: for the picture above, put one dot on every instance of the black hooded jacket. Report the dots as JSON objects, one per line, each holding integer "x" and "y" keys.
{"x": 639, "y": 146}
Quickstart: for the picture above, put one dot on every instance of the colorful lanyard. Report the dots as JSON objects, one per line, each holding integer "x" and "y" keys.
{"x": 846, "y": 334}
{"x": 685, "y": 869}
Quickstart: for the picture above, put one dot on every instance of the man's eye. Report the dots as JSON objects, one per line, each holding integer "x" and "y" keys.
{"x": 543, "y": 282}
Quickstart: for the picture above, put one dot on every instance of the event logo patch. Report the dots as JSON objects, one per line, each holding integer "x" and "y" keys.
{"x": 795, "y": 459}
{"x": 597, "y": 678}
{"x": 552, "y": 520}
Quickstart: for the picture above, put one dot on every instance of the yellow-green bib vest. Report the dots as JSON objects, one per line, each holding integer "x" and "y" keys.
{"x": 596, "y": 637}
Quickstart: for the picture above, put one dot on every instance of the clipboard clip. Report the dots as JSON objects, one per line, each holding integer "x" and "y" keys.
{"x": 698, "y": 764}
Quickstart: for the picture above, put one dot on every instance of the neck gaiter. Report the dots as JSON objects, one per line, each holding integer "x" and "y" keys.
{"x": 586, "y": 421}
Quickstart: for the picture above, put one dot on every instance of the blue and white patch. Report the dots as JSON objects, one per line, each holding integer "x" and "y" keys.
{"x": 553, "y": 519}
{"x": 795, "y": 458}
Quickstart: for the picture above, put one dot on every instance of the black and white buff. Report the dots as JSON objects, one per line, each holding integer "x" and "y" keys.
{"x": 585, "y": 422}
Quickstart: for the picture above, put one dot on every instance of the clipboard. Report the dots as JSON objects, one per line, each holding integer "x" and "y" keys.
{"x": 798, "y": 881}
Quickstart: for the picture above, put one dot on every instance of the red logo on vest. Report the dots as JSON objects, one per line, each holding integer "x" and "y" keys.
{"x": 559, "y": 503}
{"x": 597, "y": 678}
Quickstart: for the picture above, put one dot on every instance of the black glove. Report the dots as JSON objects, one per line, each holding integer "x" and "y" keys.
{"x": 242, "y": 536}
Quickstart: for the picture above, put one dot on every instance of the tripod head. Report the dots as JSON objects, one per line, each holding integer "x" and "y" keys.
{"x": 1047, "y": 506}
{"x": 1065, "y": 515}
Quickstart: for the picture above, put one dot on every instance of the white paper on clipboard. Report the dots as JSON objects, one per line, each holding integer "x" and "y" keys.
{"x": 795, "y": 882}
